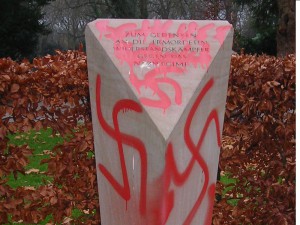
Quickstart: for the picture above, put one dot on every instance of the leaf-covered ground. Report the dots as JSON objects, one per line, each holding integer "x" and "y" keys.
{"x": 259, "y": 142}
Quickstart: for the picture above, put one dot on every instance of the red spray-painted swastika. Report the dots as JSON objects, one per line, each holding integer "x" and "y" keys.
{"x": 122, "y": 138}
{"x": 166, "y": 201}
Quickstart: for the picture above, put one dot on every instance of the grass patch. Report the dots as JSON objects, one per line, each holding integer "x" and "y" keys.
{"x": 41, "y": 143}
{"x": 229, "y": 183}
{"x": 47, "y": 220}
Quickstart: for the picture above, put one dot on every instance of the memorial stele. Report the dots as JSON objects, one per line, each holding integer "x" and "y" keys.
{"x": 158, "y": 91}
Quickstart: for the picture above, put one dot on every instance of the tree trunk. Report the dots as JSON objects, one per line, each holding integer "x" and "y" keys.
{"x": 231, "y": 12}
{"x": 144, "y": 9}
{"x": 286, "y": 38}
{"x": 124, "y": 8}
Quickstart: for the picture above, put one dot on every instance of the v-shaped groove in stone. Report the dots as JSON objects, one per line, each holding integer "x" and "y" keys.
{"x": 162, "y": 61}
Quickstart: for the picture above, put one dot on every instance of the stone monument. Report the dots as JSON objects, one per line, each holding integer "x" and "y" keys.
{"x": 158, "y": 91}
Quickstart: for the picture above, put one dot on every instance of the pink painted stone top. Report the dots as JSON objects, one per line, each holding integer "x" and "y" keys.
{"x": 155, "y": 49}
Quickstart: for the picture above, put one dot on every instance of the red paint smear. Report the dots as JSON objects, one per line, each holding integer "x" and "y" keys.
{"x": 151, "y": 79}
{"x": 171, "y": 173}
{"x": 184, "y": 31}
{"x": 211, "y": 198}
{"x": 195, "y": 149}
{"x": 101, "y": 26}
{"x": 119, "y": 33}
{"x": 162, "y": 209}
{"x": 221, "y": 33}
{"x": 122, "y": 138}
{"x": 164, "y": 101}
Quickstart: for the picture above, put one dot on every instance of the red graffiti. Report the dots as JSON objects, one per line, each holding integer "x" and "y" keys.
{"x": 221, "y": 33}
{"x": 166, "y": 201}
{"x": 161, "y": 57}
{"x": 121, "y": 138}
{"x": 171, "y": 173}
{"x": 155, "y": 54}
{"x": 211, "y": 196}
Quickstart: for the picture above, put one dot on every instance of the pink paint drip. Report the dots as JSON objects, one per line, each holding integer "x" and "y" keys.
{"x": 101, "y": 26}
{"x": 221, "y": 33}
{"x": 163, "y": 62}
